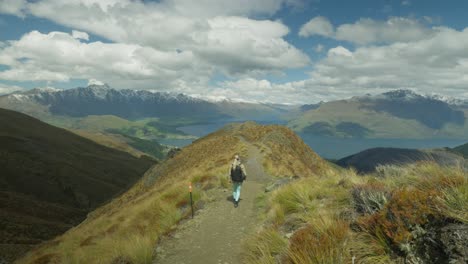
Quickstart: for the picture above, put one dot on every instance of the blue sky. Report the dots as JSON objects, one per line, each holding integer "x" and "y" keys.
{"x": 282, "y": 51}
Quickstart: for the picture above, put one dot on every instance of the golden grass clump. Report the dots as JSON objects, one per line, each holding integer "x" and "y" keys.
{"x": 325, "y": 240}
{"x": 267, "y": 246}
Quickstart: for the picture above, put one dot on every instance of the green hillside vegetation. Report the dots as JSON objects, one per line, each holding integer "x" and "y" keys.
{"x": 326, "y": 215}
{"x": 139, "y": 137}
{"x": 147, "y": 128}
{"x": 348, "y": 118}
{"x": 50, "y": 178}
{"x": 133, "y": 136}
{"x": 463, "y": 149}
{"x": 134, "y": 146}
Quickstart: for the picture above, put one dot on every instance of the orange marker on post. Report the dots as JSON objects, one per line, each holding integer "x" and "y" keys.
{"x": 191, "y": 200}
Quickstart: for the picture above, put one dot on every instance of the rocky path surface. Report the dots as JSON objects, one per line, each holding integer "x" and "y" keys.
{"x": 216, "y": 233}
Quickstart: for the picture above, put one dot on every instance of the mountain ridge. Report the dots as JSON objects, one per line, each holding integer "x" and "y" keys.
{"x": 370, "y": 160}
{"x": 159, "y": 200}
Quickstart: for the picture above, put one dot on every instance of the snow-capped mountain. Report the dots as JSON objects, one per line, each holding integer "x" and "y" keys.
{"x": 128, "y": 103}
{"x": 410, "y": 95}
{"x": 103, "y": 100}
{"x": 398, "y": 113}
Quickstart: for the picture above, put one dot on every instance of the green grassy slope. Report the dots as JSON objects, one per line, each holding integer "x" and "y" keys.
{"x": 50, "y": 178}
{"x": 138, "y": 137}
{"x": 463, "y": 149}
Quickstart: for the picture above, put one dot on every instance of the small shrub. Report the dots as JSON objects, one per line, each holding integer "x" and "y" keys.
{"x": 407, "y": 209}
{"x": 390, "y": 171}
{"x": 369, "y": 198}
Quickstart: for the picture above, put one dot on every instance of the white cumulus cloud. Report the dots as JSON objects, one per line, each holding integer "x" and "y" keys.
{"x": 172, "y": 42}
{"x": 80, "y": 35}
{"x": 6, "y": 89}
{"x": 94, "y": 82}
{"x": 317, "y": 26}
{"x": 370, "y": 31}
{"x": 58, "y": 56}
{"x": 438, "y": 64}
{"x": 13, "y": 7}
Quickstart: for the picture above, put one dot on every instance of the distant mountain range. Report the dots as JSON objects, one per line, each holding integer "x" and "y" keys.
{"x": 51, "y": 178}
{"x": 131, "y": 104}
{"x": 394, "y": 114}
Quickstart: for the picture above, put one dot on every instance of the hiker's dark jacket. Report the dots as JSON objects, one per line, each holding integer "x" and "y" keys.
{"x": 233, "y": 166}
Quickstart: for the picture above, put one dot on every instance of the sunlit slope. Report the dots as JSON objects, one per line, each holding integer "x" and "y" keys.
{"x": 395, "y": 114}
{"x": 129, "y": 226}
{"x": 377, "y": 123}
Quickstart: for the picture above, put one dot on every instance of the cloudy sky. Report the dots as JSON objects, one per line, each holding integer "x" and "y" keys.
{"x": 283, "y": 51}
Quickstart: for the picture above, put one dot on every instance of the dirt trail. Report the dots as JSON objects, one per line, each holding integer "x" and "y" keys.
{"x": 217, "y": 231}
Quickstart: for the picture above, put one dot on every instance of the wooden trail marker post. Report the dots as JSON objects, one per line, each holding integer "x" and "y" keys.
{"x": 191, "y": 199}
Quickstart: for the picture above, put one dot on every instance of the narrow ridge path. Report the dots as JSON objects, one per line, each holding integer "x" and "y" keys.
{"x": 216, "y": 233}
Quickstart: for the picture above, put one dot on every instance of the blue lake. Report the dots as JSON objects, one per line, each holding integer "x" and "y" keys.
{"x": 329, "y": 147}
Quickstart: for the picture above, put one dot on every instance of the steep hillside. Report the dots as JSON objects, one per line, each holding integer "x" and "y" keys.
{"x": 50, "y": 178}
{"x": 395, "y": 114}
{"x": 137, "y": 147}
{"x": 129, "y": 226}
{"x": 463, "y": 149}
{"x": 371, "y": 159}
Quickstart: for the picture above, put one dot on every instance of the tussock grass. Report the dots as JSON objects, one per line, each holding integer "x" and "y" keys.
{"x": 368, "y": 249}
{"x": 324, "y": 240}
{"x": 304, "y": 213}
{"x": 267, "y": 246}
{"x": 336, "y": 217}
{"x": 455, "y": 202}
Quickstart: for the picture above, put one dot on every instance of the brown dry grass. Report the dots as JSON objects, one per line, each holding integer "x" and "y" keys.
{"x": 286, "y": 154}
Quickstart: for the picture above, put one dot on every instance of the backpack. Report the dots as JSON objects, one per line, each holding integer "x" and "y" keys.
{"x": 236, "y": 174}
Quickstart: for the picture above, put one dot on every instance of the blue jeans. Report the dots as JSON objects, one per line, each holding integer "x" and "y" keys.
{"x": 236, "y": 189}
